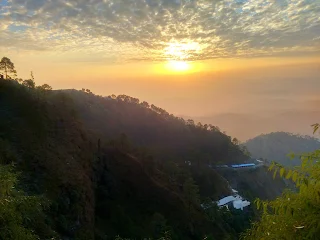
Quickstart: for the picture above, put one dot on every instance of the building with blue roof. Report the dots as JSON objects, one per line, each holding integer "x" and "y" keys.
{"x": 244, "y": 165}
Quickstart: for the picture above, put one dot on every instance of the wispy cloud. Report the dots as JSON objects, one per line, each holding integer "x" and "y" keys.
{"x": 161, "y": 29}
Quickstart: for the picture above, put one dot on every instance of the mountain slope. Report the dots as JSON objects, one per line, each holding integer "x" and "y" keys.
{"x": 129, "y": 201}
{"x": 98, "y": 187}
{"x": 51, "y": 149}
{"x": 113, "y": 165}
{"x": 276, "y": 146}
{"x": 154, "y": 128}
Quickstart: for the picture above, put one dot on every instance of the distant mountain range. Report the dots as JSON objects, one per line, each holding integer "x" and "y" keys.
{"x": 276, "y": 146}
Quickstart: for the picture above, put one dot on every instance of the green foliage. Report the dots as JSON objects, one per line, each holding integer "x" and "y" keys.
{"x": 21, "y": 215}
{"x": 294, "y": 215}
{"x": 233, "y": 221}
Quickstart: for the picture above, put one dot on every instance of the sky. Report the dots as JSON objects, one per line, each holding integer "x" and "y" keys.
{"x": 239, "y": 64}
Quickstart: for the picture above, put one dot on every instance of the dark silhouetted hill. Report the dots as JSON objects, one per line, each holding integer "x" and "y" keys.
{"x": 277, "y": 145}
{"x": 102, "y": 183}
{"x": 113, "y": 165}
{"x": 165, "y": 135}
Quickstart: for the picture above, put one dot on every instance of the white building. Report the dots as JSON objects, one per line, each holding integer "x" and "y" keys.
{"x": 240, "y": 204}
{"x": 236, "y": 200}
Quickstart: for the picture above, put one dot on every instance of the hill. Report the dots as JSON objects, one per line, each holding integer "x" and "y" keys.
{"x": 152, "y": 127}
{"x": 277, "y": 145}
{"x": 115, "y": 165}
{"x": 100, "y": 182}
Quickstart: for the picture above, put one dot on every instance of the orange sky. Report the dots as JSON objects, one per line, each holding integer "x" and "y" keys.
{"x": 244, "y": 97}
{"x": 195, "y": 58}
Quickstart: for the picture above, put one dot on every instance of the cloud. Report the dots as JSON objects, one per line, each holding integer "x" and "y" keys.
{"x": 154, "y": 30}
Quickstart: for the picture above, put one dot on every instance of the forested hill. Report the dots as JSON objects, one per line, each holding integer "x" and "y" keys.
{"x": 277, "y": 145}
{"x": 166, "y": 136}
{"x": 106, "y": 166}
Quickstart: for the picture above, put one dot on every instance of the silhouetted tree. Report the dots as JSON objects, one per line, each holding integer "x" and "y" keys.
{"x": 45, "y": 87}
{"x": 145, "y": 104}
{"x": 7, "y": 67}
{"x": 29, "y": 83}
{"x": 190, "y": 122}
{"x": 199, "y": 125}
{"x": 235, "y": 141}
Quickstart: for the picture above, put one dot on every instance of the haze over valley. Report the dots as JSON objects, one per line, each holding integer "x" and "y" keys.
{"x": 159, "y": 119}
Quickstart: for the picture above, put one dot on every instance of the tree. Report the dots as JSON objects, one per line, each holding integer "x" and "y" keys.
{"x": 245, "y": 150}
{"x": 7, "y": 67}
{"x": 191, "y": 191}
{"x": 235, "y": 141}
{"x": 19, "y": 213}
{"x": 45, "y": 87}
{"x": 145, "y": 104}
{"x": 171, "y": 169}
{"x": 190, "y": 122}
{"x": 29, "y": 83}
{"x": 294, "y": 215}
{"x": 158, "y": 225}
{"x": 42, "y": 90}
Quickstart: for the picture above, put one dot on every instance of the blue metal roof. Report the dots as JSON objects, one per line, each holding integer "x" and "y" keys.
{"x": 243, "y": 165}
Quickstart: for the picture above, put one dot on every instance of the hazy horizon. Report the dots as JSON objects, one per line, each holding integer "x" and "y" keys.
{"x": 282, "y": 98}
{"x": 248, "y": 66}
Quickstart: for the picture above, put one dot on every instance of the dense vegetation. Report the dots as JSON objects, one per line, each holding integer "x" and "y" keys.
{"x": 256, "y": 183}
{"x": 296, "y": 214}
{"x": 276, "y": 147}
{"x": 21, "y": 215}
{"x": 74, "y": 165}
{"x": 128, "y": 176}
{"x": 163, "y": 134}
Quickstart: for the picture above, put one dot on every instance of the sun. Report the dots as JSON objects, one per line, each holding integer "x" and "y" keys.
{"x": 178, "y": 66}
{"x": 178, "y": 53}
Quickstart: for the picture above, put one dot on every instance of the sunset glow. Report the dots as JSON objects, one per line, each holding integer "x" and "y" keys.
{"x": 178, "y": 66}
{"x": 182, "y": 50}
{"x": 132, "y": 118}
{"x": 197, "y": 52}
